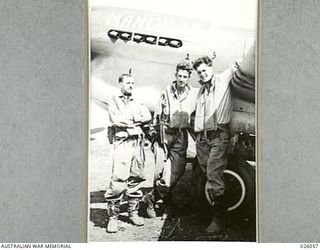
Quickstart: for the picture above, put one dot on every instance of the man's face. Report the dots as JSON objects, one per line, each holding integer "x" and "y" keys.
{"x": 182, "y": 77}
{"x": 127, "y": 85}
{"x": 205, "y": 72}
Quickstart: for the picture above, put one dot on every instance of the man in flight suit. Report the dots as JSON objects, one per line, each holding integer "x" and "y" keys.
{"x": 127, "y": 116}
{"x": 212, "y": 118}
{"x": 173, "y": 115}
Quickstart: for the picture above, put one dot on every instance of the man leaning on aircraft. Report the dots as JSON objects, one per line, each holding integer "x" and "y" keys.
{"x": 127, "y": 117}
{"x": 211, "y": 125}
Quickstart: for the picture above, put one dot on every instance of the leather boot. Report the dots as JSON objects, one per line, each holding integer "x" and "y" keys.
{"x": 113, "y": 212}
{"x": 133, "y": 210}
{"x": 149, "y": 200}
{"x": 219, "y": 211}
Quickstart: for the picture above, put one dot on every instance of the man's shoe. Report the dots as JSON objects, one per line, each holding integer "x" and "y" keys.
{"x": 135, "y": 219}
{"x": 133, "y": 210}
{"x": 113, "y": 208}
{"x": 112, "y": 226}
{"x": 168, "y": 208}
{"x": 168, "y": 214}
{"x": 148, "y": 200}
{"x": 219, "y": 212}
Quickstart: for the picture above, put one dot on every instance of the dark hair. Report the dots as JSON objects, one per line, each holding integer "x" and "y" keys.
{"x": 123, "y": 76}
{"x": 204, "y": 59}
{"x": 184, "y": 66}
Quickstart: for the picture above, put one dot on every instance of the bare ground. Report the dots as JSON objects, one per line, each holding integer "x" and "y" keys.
{"x": 189, "y": 223}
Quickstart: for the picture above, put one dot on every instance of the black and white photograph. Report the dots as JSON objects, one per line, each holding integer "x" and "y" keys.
{"x": 172, "y": 114}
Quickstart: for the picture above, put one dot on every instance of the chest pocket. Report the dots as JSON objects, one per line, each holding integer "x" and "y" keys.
{"x": 179, "y": 115}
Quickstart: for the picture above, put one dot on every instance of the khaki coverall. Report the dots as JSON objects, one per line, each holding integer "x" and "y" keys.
{"x": 126, "y": 116}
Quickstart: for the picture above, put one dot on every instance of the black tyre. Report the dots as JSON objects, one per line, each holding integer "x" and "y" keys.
{"x": 239, "y": 180}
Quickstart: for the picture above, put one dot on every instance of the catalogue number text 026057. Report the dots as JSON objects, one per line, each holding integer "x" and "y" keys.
{"x": 309, "y": 245}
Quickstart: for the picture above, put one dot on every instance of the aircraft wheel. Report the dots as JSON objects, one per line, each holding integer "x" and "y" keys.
{"x": 239, "y": 180}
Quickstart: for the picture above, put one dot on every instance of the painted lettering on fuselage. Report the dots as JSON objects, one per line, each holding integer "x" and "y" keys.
{"x": 152, "y": 23}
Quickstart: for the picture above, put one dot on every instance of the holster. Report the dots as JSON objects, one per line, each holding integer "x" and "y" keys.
{"x": 111, "y": 134}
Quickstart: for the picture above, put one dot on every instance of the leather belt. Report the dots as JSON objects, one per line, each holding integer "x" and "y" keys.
{"x": 173, "y": 130}
{"x": 211, "y": 134}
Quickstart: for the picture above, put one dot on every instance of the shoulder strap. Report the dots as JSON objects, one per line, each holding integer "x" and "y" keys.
{"x": 167, "y": 96}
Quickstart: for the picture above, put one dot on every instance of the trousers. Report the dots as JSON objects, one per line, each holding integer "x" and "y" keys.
{"x": 212, "y": 153}
{"x": 127, "y": 168}
{"x": 171, "y": 165}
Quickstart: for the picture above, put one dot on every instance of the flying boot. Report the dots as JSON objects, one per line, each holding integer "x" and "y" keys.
{"x": 149, "y": 200}
{"x": 133, "y": 210}
{"x": 113, "y": 213}
{"x": 219, "y": 211}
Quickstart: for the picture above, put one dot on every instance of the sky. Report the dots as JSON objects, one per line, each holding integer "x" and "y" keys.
{"x": 235, "y": 13}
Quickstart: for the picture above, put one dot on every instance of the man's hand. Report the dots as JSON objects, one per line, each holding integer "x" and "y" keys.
{"x": 125, "y": 124}
{"x": 235, "y": 66}
{"x": 210, "y": 195}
